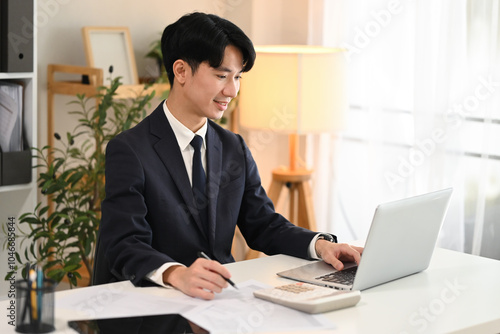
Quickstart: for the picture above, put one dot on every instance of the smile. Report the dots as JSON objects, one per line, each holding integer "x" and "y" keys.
{"x": 222, "y": 104}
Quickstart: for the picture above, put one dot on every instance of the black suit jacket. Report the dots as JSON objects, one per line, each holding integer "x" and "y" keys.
{"x": 149, "y": 216}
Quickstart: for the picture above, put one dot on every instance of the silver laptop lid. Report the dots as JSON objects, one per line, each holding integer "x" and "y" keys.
{"x": 402, "y": 238}
{"x": 400, "y": 242}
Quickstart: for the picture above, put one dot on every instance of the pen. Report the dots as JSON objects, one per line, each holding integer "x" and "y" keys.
{"x": 28, "y": 284}
{"x": 205, "y": 256}
{"x": 39, "y": 281}
{"x": 32, "y": 287}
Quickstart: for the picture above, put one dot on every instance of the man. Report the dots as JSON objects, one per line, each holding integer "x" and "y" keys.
{"x": 156, "y": 218}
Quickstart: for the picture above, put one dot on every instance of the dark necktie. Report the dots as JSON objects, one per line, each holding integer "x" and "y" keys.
{"x": 199, "y": 182}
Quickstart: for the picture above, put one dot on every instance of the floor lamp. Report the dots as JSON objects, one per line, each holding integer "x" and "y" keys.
{"x": 296, "y": 90}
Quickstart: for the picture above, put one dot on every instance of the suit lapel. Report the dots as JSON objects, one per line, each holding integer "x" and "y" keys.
{"x": 168, "y": 150}
{"x": 214, "y": 170}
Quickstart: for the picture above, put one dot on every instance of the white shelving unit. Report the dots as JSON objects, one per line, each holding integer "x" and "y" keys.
{"x": 17, "y": 199}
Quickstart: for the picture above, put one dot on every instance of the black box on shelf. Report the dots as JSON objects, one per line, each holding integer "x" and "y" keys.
{"x": 16, "y": 35}
{"x": 15, "y": 167}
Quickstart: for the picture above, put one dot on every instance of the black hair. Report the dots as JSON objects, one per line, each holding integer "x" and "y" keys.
{"x": 199, "y": 37}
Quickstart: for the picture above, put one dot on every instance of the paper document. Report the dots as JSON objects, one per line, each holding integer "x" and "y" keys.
{"x": 124, "y": 300}
{"x": 232, "y": 311}
{"x": 11, "y": 117}
{"x": 238, "y": 311}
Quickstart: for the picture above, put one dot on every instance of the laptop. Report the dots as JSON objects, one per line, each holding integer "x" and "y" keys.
{"x": 400, "y": 242}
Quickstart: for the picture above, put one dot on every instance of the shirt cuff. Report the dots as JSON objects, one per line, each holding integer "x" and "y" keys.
{"x": 156, "y": 276}
{"x": 312, "y": 249}
{"x": 312, "y": 246}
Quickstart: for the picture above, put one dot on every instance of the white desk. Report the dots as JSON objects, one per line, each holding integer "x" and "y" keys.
{"x": 458, "y": 293}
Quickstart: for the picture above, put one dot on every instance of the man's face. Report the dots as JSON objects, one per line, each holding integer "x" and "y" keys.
{"x": 209, "y": 90}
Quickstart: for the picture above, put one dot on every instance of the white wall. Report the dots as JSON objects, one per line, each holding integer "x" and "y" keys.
{"x": 280, "y": 21}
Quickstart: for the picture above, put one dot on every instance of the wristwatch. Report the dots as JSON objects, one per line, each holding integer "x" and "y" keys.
{"x": 326, "y": 237}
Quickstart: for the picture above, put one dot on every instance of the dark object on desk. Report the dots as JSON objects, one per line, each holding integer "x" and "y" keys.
{"x": 154, "y": 324}
{"x": 35, "y": 305}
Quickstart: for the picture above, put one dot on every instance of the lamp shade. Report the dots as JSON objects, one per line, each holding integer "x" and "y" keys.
{"x": 294, "y": 89}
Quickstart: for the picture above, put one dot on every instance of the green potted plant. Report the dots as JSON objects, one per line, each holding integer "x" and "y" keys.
{"x": 62, "y": 229}
{"x": 156, "y": 54}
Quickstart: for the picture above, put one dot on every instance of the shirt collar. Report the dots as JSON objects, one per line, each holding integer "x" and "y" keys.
{"x": 181, "y": 132}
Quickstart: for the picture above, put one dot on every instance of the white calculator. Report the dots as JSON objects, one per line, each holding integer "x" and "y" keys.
{"x": 309, "y": 298}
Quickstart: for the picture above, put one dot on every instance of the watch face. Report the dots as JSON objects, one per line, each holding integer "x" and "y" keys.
{"x": 326, "y": 237}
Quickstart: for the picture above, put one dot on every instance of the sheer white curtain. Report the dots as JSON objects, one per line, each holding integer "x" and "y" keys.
{"x": 440, "y": 79}
{"x": 379, "y": 39}
{"x": 481, "y": 129}
{"x": 424, "y": 115}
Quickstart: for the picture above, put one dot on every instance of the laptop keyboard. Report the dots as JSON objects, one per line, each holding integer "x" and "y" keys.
{"x": 345, "y": 276}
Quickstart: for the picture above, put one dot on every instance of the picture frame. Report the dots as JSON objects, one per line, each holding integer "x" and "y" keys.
{"x": 111, "y": 46}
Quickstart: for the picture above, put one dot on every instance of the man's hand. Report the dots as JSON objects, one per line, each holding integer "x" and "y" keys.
{"x": 202, "y": 279}
{"x": 335, "y": 254}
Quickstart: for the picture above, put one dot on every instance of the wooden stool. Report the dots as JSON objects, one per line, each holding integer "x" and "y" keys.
{"x": 300, "y": 206}
{"x": 301, "y": 209}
